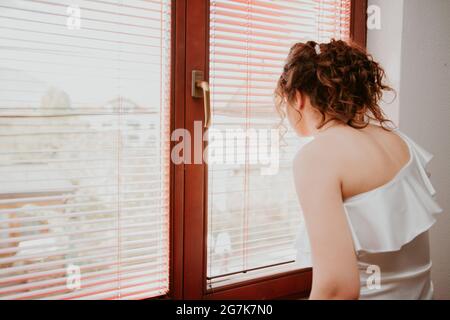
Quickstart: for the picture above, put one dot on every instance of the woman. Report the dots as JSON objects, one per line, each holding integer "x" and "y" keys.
{"x": 364, "y": 192}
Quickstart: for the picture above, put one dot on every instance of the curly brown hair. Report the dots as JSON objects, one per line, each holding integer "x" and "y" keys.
{"x": 342, "y": 81}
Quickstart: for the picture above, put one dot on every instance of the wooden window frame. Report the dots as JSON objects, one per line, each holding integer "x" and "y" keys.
{"x": 188, "y": 183}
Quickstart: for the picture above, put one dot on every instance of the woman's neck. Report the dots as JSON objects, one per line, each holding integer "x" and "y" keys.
{"x": 327, "y": 126}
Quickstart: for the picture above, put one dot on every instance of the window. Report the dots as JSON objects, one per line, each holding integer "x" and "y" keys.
{"x": 239, "y": 226}
{"x": 91, "y": 207}
{"x": 84, "y": 166}
{"x": 254, "y": 216}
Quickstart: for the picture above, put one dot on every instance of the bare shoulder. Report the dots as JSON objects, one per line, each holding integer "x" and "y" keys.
{"x": 358, "y": 160}
{"x": 322, "y": 156}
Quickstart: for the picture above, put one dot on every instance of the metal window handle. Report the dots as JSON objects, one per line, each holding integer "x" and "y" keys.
{"x": 201, "y": 88}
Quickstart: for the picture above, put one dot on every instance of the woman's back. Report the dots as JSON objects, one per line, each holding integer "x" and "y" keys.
{"x": 370, "y": 157}
{"x": 388, "y": 213}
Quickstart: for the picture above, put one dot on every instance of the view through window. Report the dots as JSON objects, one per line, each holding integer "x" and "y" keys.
{"x": 84, "y": 166}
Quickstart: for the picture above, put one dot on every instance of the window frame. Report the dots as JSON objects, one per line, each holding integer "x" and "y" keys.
{"x": 188, "y": 183}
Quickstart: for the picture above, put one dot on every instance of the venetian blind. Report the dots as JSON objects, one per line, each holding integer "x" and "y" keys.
{"x": 254, "y": 218}
{"x": 84, "y": 159}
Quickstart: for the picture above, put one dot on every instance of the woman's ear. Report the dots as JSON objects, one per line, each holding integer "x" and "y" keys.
{"x": 300, "y": 100}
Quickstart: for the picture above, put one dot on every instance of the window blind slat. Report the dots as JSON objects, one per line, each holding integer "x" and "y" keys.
{"x": 105, "y": 257}
{"x": 106, "y": 287}
{"x": 85, "y": 214}
{"x": 92, "y": 248}
{"x": 12, "y": 240}
{"x": 57, "y": 271}
{"x": 61, "y": 281}
{"x": 89, "y": 241}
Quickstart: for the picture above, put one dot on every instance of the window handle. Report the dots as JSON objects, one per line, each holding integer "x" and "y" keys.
{"x": 201, "y": 88}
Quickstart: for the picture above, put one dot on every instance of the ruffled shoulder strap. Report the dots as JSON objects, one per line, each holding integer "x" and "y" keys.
{"x": 423, "y": 157}
{"x": 392, "y": 215}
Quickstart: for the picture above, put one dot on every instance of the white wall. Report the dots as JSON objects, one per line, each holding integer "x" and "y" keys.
{"x": 385, "y": 46}
{"x": 425, "y": 111}
{"x": 414, "y": 44}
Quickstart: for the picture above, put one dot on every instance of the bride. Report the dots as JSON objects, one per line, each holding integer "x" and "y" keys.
{"x": 366, "y": 198}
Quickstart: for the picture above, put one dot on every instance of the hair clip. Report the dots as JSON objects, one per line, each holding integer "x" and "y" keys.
{"x": 317, "y": 48}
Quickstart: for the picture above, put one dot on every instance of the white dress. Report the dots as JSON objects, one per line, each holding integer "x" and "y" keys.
{"x": 389, "y": 227}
